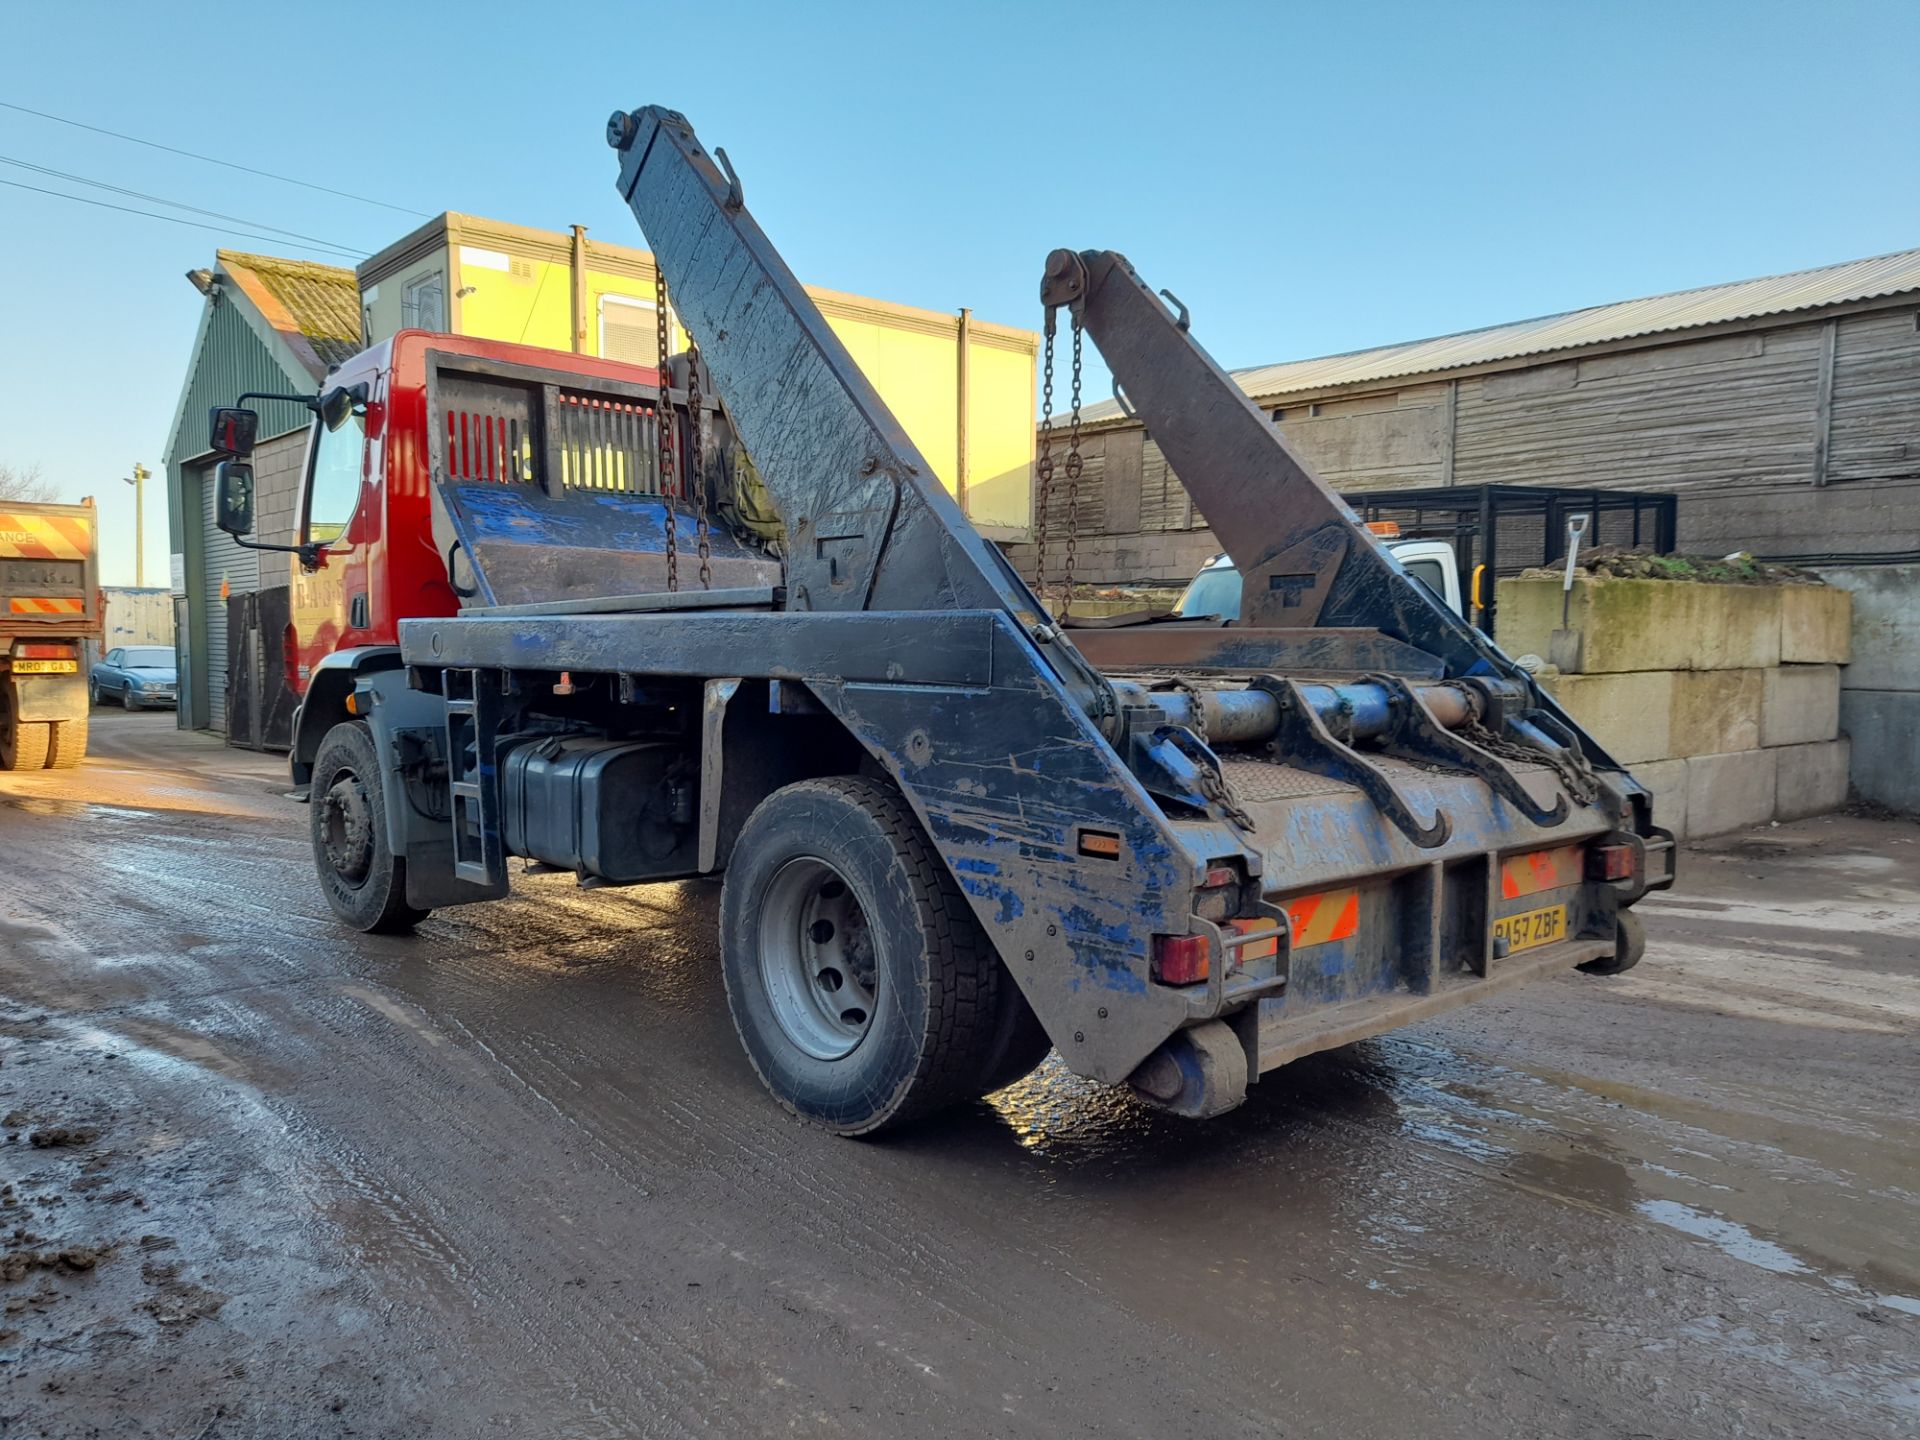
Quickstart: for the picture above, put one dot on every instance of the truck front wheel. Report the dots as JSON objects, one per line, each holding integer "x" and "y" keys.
{"x": 365, "y": 882}
{"x": 865, "y": 992}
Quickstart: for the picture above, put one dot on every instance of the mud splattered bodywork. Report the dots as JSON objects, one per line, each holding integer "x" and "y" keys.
{"x": 1199, "y": 858}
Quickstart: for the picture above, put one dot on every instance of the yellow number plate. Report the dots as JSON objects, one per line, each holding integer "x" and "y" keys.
{"x": 45, "y": 667}
{"x": 1532, "y": 927}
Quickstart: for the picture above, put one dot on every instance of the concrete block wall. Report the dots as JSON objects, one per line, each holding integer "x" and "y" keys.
{"x": 1880, "y": 687}
{"x": 1724, "y": 700}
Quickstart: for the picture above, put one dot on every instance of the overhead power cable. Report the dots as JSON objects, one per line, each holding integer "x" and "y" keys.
{"x": 211, "y": 160}
{"x": 178, "y": 205}
{"x": 170, "y": 219}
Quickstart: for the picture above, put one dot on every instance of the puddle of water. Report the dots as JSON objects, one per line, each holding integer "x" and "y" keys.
{"x": 1728, "y": 1236}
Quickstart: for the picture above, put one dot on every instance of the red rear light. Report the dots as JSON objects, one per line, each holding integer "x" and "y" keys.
{"x": 1180, "y": 959}
{"x": 1610, "y": 862}
{"x": 43, "y": 652}
{"x": 1218, "y": 876}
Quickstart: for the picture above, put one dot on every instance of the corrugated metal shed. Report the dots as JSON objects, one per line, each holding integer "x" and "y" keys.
{"x": 1882, "y": 275}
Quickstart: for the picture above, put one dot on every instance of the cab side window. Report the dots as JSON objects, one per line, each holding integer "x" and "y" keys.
{"x": 333, "y": 489}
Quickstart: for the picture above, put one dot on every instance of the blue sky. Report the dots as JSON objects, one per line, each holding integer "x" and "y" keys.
{"x": 1309, "y": 178}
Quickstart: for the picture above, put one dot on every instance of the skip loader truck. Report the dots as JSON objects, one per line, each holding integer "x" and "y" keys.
{"x": 535, "y": 623}
{"x": 49, "y": 609}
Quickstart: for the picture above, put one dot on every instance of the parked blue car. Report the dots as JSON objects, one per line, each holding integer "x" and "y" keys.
{"x": 137, "y": 676}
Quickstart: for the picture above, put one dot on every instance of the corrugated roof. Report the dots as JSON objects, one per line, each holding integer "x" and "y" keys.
{"x": 321, "y": 303}
{"x": 1882, "y": 275}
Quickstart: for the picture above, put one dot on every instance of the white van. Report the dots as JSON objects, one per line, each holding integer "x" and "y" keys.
{"x": 1215, "y": 592}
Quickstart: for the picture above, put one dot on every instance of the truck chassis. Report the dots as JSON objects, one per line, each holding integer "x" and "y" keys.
{"x": 950, "y": 835}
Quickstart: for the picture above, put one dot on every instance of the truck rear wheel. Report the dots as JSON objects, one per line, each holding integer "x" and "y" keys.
{"x": 68, "y": 744}
{"x": 865, "y": 992}
{"x": 365, "y": 882}
{"x": 1020, "y": 1043}
{"x": 23, "y": 744}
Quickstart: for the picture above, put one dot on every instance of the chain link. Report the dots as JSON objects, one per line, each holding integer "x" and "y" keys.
{"x": 1574, "y": 774}
{"x": 1044, "y": 466}
{"x": 663, "y": 426}
{"x": 1196, "y": 707}
{"x": 1074, "y": 466}
{"x": 696, "y": 464}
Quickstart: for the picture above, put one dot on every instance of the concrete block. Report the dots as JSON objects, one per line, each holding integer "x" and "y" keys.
{"x": 1812, "y": 779}
{"x": 1627, "y": 713}
{"x": 1715, "y": 711}
{"x": 1884, "y": 726}
{"x": 1666, "y": 781}
{"x": 1646, "y": 624}
{"x": 1731, "y": 792}
{"x": 1800, "y": 704}
{"x": 1886, "y": 626}
{"x": 1816, "y": 625}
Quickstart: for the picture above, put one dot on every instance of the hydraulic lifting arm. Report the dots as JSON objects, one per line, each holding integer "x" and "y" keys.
{"x": 1303, "y": 556}
{"x": 869, "y": 525}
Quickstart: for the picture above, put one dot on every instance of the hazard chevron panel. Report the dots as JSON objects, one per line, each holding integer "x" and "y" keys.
{"x": 46, "y": 605}
{"x": 1318, "y": 919}
{"x": 1539, "y": 870}
{"x": 44, "y": 537}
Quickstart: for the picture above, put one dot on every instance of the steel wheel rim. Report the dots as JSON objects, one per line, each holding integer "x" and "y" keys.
{"x": 817, "y": 963}
{"x": 346, "y": 828}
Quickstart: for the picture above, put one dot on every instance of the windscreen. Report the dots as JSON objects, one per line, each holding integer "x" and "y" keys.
{"x": 1213, "y": 592}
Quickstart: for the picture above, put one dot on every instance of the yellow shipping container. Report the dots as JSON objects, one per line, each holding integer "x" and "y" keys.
{"x": 942, "y": 375}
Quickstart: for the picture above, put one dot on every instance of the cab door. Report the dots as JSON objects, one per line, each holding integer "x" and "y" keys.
{"x": 332, "y": 599}
{"x": 1434, "y": 564}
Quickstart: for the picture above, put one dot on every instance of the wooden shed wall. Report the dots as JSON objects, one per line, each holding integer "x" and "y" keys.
{"x": 1733, "y": 423}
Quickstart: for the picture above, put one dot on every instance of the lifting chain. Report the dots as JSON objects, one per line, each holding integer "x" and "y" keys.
{"x": 1043, "y": 468}
{"x": 1214, "y": 786}
{"x": 1196, "y": 707}
{"x": 1073, "y": 467}
{"x": 696, "y": 462}
{"x": 1571, "y": 768}
{"x": 663, "y": 425}
{"x": 1207, "y": 773}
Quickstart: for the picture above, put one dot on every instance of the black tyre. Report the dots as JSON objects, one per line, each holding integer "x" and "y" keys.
{"x": 93, "y": 692}
{"x": 127, "y": 702}
{"x": 364, "y": 881}
{"x": 24, "y": 743}
{"x": 1632, "y": 944}
{"x": 66, "y": 743}
{"x": 1019, "y": 1043}
{"x": 862, "y": 987}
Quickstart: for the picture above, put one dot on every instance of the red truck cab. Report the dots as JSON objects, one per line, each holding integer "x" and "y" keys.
{"x": 365, "y": 512}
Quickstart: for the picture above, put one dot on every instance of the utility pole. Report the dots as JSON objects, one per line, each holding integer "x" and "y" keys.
{"x": 139, "y": 480}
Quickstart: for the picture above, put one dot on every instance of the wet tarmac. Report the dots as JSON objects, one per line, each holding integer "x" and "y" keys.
{"x": 264, "y": 1177}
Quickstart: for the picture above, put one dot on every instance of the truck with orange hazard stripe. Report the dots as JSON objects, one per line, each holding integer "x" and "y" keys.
{"x": 50, "y": 605}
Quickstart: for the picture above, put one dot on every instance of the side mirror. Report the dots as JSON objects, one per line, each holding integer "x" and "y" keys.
{"x": 337, "y": 404}
{"x": 233, "y": 497}
{"x": 233, "y": 430}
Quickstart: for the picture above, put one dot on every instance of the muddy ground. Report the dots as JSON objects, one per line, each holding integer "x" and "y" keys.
{"x": 263, "y": 1177}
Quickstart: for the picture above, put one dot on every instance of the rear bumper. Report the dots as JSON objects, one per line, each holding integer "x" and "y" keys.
{"x": 1279, "y": 1037}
